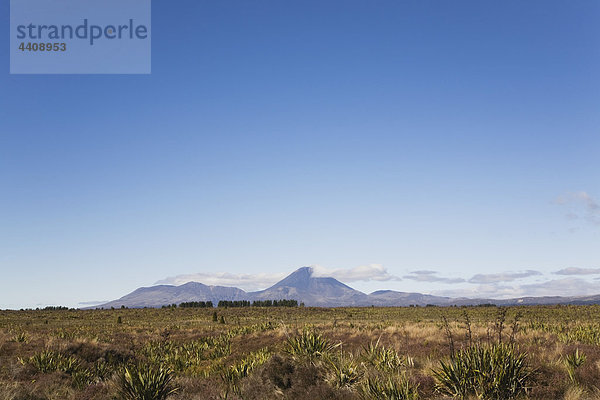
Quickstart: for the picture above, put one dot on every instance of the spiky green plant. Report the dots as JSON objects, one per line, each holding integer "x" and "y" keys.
{"x": 103, "y": 370}
{"x": 145, "y": 382}
{"x": 45, "y": 361}
{"x": 382, "y": 358}
{"x": 498, "y": 372}
{"x": 232, "y": 375}
{"x": 310, "y": 345}
{"x": 82, "y": 377}
{"x": 344, "y": 372}
{"x": 20, "y": 337}
{"x": 50, "y": 361}
{"x": 390, "y": 389}
{"x": 574, "y": 361}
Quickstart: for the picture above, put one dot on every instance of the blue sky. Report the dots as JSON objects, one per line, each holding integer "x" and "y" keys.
{"x": 460, "y": 138}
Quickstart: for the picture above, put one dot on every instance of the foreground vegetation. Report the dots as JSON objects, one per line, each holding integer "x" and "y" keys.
{"x": 301, "y": 353}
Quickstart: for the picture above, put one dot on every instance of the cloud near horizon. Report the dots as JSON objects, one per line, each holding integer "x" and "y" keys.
{"x": 556, "y": 287}
{"x": 578, "y": 271}
{"x": 503, "y": 277}
{"x": 430, "y": 276}
{"x": 92, "y": 302}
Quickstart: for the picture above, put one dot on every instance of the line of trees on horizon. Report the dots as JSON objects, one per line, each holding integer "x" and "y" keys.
{"x": 258, "y": 303}
{"x": 196, "y": 304}
{"x": 236, "y": 304}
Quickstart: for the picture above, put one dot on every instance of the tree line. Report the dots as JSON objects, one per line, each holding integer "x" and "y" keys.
{"x": 258, "y": 303}
{"x": 236, "y": 304}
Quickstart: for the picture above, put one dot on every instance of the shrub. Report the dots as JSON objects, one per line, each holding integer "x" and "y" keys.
{"x": 232, "y": 375}
{"x": 498, "y": 372}
{"x": 344, "y": 372}
{"x": 20, "y": 338}
{"x": 50, "y": 361}
{"x": 310, "y": 345}
{"x": 144, "y": 382}
{"x": 82, "y": 377}
{"x": 382, "y": 358}
{"x": 103, "y": 370}
{"x": 574, "y": 361}
{"x": 46, "y": 361}
{"x": 390, "y": 389}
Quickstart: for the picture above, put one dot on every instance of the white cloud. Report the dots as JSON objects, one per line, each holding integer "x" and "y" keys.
{"x": 371, "y": 272}
{"x": 92, "y": 303}
{"x": 503, "y": 277}
{"x": 424, "y": 272}
{"x": 249, "y": 282}
{"x": 242, "y": 281}
{"x": 562, "y": 287}
{"x": 556, "y": 287}
{"x": 430, "y": 276}
{"x": 578, "y": 271}
{"x": 484, "y": 291}
{"x": 582, "y": 206}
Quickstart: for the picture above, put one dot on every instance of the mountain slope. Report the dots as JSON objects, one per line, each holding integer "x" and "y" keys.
{"x": 157, "y": 296}
{"x": 321, "y": 292}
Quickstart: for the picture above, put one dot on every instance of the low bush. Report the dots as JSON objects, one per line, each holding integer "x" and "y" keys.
{"x": 497, "y": 372}
{"x": 344, "y": 372}
{"x": 310, "y": 345}
{"x": 145, "y": 382}
{"x": 389, "y": 389}
{"x": 382, "y": 358}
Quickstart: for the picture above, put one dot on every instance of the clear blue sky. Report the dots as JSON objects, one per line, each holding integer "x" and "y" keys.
{"x": 460, "y": 137}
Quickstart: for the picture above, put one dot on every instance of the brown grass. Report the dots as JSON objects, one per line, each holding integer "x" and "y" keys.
{"x": 93, "y": 337}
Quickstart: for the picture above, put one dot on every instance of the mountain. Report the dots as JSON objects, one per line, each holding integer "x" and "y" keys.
{"x": 302, "y": 286}
{"x": 312, "y": 291}
{"x": 157, "y": 296}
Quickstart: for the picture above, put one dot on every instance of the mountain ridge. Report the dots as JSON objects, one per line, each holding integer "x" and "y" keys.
{"x": 313, "y": 291}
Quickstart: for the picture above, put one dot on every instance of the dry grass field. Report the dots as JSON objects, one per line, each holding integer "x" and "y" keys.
{"x": 301, "y": 353}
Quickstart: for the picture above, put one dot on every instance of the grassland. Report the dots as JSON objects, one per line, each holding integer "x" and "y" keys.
{"x": 301, "y": 353}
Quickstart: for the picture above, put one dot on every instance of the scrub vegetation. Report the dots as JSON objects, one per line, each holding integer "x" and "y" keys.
{"x": 185, "y": 353}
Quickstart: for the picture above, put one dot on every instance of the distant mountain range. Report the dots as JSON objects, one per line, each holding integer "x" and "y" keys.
{"x": 302, "y": 286}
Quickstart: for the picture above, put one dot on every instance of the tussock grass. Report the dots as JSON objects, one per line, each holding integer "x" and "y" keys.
{"x": 145, "y": 382}
{"x": 389, "y": 389}
{"x": 498, "y": 372}
{"x": 310, "y": 345}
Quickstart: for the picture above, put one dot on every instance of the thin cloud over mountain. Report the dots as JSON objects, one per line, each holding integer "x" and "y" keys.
{"x": 244, "y": 281}
{"x": 371, "y": 272}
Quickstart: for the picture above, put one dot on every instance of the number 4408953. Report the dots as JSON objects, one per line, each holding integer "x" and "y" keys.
{"x": 43, "y": 47}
